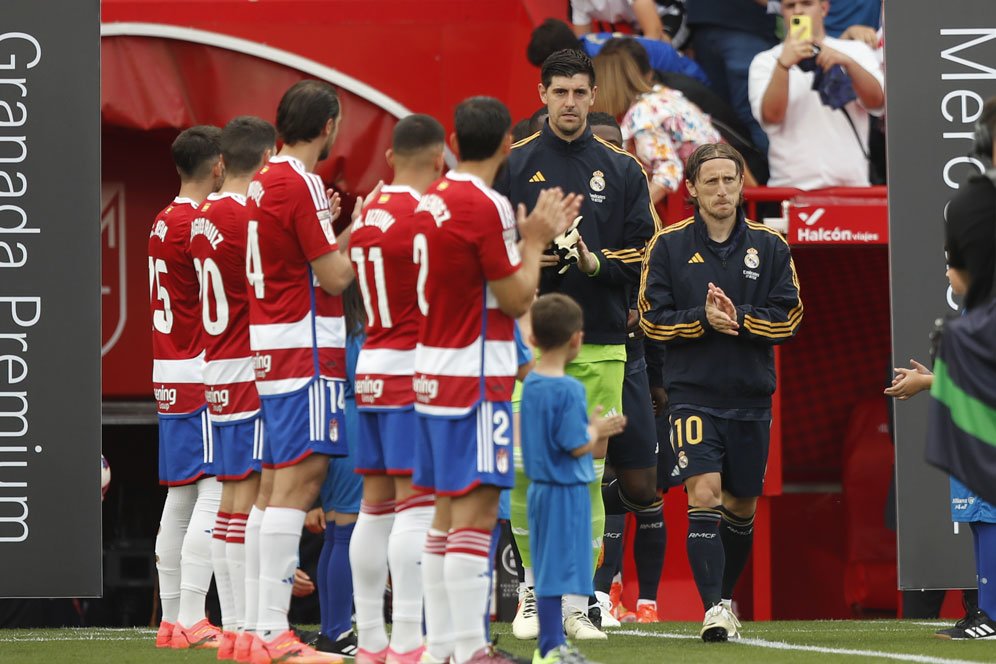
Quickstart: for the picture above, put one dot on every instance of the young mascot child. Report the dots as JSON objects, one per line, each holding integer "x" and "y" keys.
{"x": 557, "y": 444}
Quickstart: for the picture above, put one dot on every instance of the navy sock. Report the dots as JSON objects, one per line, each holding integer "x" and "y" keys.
{"x": 738, "y": 537}
{"x": 323, "y": 578}
{"x": 339, "y": 585}
{"x": 611, "y": 499}
{"x": 612, "y": 542}
{"x": 551, "y": 623}
{"x": 705, "y": 553}
{"x": 985, "y": 565}
{"x": 648, "y": 549}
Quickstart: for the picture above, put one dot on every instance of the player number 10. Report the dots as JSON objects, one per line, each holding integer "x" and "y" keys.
{"x": 688, "y": 430}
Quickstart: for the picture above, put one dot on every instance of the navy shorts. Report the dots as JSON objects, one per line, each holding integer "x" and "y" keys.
{"x": 239, "y": 447}
{"x": 668, "y": 473}
{"x": 186, "y": 448}
{"x": 453, "y": 455}
{"x": 386, "y": 442}
{"x": 343, "y": 488}
{"x": 308, "y": 421}
{"x": 636, "y": 446}
{"x": 560, "y": 538}
{"x": 738, "y": 449}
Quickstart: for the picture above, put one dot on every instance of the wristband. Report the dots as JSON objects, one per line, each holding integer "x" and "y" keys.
{"x": 782, "y": 65}
{"x": 598, "y": 266}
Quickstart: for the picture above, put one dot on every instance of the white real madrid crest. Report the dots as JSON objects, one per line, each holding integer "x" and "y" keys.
{"x": 597, "y": 181}
{"x": 751, "y": 260}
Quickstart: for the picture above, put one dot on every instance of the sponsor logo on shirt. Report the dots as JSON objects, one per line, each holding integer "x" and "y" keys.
{"x": 166, "y": 396}
{"x": 426, "y": 389}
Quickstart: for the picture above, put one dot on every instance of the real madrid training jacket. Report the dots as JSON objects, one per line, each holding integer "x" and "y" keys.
{"x": 617, "y": 220}
{"x": 701, "y": 366}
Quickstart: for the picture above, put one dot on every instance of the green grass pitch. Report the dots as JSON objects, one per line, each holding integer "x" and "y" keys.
{"x": 770, "y": 643}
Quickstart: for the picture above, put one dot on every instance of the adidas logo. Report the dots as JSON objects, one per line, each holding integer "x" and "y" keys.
{"x": 537, "y": 177}
{"x": 697, "y": 258}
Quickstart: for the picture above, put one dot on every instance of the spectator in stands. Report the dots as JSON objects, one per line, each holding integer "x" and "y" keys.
{"x": 554, "y": 35}
{"x": 641, "y": 14}
{"x": 659, "y": 125}
{"x": 855, "y": 19}
{"x": 726, "y": 35}
{"x": 818, "y": 137}
{"x": 722, "y": 115}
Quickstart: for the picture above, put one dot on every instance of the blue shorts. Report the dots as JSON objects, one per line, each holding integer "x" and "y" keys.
{"x": 308, "y": 421}
{"x": 240, "y": 448}
{"x": 343, "y": 488}
{"x": 505, "y": 505}
{"x": 186, "y": 448}
{"x": 560, "y": 538}
{"x": 454, "y": 455}
{"x": 386, "y": 442}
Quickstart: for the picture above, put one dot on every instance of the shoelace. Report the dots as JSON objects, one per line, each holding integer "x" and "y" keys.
{"x": 529, "y": 606}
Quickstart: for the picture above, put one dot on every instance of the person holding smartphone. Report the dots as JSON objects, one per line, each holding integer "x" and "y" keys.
{"x": 812, "y": 144}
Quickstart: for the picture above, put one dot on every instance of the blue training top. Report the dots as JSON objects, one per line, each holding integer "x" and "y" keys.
{"x": 554, "y": 422}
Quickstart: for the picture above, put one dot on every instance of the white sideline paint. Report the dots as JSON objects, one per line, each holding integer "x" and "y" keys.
{"x": 781, "y": 645}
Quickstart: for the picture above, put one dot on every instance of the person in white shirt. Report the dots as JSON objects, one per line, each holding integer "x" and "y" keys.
{"x": 641, "y": 13}
{"x": 812, "y": 145}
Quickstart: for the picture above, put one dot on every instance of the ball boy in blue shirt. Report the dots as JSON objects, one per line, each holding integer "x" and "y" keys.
{"x": 557, "y": 444}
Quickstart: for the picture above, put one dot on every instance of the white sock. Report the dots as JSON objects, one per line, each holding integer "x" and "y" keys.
{"x": 219, "y": 561}
{"x": 527, "y": 574}
{"x": 195, "y": 557}
{"x": 280, "y": 536}
{"x": 467, "y": 583}
{"x": 368, "y": 561}
{"x": 235, "y": 552}
{"x": 575, "y": 603}
{"x": 253, "y": 523}
{"x": 172, "y": 528}
{"x": 405, "y": 555}
{"x": 438, "y": 623}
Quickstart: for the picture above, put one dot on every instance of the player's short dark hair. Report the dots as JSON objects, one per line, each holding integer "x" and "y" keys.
{"x": 537, "y": 119}
{"x": 415, "y": 133}
{"x": 708, "y": 152}
{"x": 196, "y": 150}
{"x": 599, "y": 118}
{"x": 567, "y": 62}
{"x": 631, "y": 47}
{"x": 521, "y": 130}
{"x": 549, "y": 36}
{"x": 305, "y": 109}
{"x": 555, "y": 317}
{"x": 243, "y": 142}
{"x": 481, "y": 124}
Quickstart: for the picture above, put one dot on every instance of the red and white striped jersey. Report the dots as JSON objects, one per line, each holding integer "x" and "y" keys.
{"x": 466, "y": 351}
{"x": 296, "y": 330}
{"x": 177, "y": 337}
{"x": 380, "y": 247}
{"x": 218, "y": 246}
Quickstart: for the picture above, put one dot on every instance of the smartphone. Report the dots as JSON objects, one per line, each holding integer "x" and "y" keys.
{"x": 802, "y": 28}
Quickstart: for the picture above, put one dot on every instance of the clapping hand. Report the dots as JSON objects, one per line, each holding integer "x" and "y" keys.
{"x": 721, "y": 314}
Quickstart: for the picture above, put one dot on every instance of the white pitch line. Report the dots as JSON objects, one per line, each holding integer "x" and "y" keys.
{"x": 781, "y": 645}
